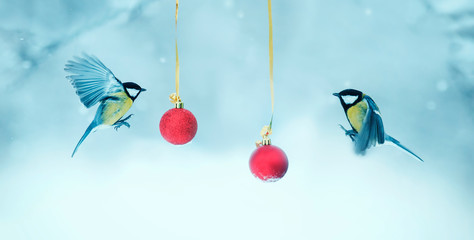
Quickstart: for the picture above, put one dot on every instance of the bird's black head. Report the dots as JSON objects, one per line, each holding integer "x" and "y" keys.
{"x": 349, "y": 97}
{"x": 133, "y": 90}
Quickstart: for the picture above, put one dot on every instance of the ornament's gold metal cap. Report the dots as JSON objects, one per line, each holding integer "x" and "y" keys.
{"x": 266, "y": 142}
{"x": 179, "y": 104}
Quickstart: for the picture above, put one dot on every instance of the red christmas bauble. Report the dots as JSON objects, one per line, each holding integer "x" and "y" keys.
{"x": 178, "y": 126}
{"x": 269, "y": 163}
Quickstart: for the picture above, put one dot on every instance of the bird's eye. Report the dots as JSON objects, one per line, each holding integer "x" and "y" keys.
{"x": 132, "y": 91}
{"x": 349, "y": 99}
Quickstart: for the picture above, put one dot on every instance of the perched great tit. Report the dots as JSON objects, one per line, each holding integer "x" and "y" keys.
{"x": 95, "y": 83}
{"x": 366, "y": 122}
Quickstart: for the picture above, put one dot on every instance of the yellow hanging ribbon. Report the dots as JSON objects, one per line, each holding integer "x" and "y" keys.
{"x": 174, "y": 97}
{"x": 270, "y": 49}
{"x": 267, "y": 130}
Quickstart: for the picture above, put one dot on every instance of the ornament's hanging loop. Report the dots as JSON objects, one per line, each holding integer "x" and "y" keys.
{"x": 267, "y": 130}
{"x": 265, "y": 133}
{"x": 174, "y": 98}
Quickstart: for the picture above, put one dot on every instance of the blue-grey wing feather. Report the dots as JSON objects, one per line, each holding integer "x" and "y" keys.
{"x": 372, "y": 131}
{"x": 92, "y": 79}
{"x": 397, "y": 143}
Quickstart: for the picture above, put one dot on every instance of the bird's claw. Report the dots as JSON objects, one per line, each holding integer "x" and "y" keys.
{"x": 118, "y": 125}
{"x": 128, "y": 117}
{"x": 351, "y": 133}
{"x": 122, "y": 122}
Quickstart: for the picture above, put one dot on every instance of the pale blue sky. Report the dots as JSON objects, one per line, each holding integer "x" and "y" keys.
{"x": 414, "y": 58}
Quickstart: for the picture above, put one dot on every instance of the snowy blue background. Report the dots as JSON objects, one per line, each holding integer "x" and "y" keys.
{"x": 414, "y": 57}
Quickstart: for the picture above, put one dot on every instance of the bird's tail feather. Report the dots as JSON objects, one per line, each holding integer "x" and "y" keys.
{"x": 88, "y": 131}
{"x": 396, "y": 142}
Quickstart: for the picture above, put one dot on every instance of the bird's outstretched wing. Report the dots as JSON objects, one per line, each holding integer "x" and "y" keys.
{"x": 372, "y": 131}
{"x": 92, "y": 79}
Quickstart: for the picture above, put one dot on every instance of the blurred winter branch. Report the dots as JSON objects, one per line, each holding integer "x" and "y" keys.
{"x": 460, "y": 14}
{"x": 29, "y": 32}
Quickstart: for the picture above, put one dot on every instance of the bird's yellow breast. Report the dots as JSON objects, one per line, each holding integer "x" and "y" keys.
{"x": 356, "y": 115}
{"x": 115, "y": 108}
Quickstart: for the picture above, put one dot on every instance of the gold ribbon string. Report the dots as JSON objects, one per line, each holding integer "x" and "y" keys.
{"x": 267, "y": 130}
{"x": 174, "y": 97}
{"x": 270, "y": 50}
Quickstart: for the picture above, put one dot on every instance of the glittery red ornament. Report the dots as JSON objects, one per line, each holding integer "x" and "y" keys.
{"x": 178, "y": 126}
{"x": 269, "y": 163}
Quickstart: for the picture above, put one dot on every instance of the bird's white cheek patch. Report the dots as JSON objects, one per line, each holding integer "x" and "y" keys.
{"x": 349, "y": 99}
{"x": 132, "y": 92}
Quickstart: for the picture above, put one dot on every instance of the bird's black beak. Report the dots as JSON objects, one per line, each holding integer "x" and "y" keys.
{"x": 336, "y": 94}
{"x": 143, "y": 89}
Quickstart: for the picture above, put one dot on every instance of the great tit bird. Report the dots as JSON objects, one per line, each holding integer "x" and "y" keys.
{"x": 366, "y": 121}
{"x": 95, "y": 83}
